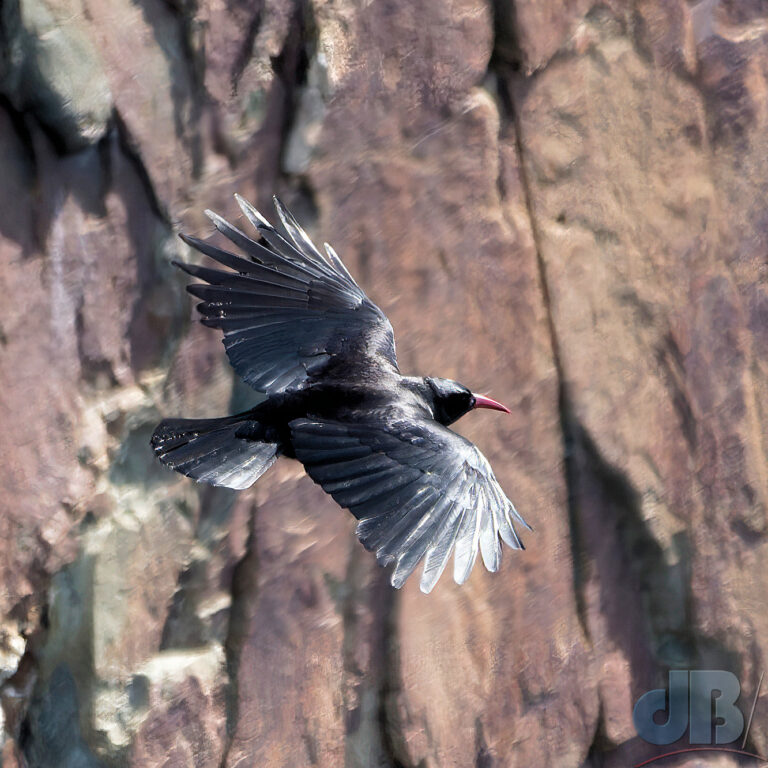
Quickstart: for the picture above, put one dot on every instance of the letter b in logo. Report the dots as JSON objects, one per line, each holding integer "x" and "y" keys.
{"x": 690, "y": 700}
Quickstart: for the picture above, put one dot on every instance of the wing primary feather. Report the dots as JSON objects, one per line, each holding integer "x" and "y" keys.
{"x": 217, "y": 254}
{"x": 247, "y": 283}
{"x": 289, "y": 251}
{"x": 519, "y": 517}
{"x": 416, "y": 544}
{"x": 370, "y": 529}
{"x": 466, "y": 547}
{"x": 263, "y": 262}
{"x": 213, "y": 294}
{"x": 260, "y": 274}
{"x": 280, "y": 261}
{"x": 237, "y": 236}
{"x": 250, "y": 212}
{"x": 274, "y": 238}
{"x": 430, "y": 518}
{"x": 335, "y": 259}
{"x": 515, "y": 537}
{"x": 281, "y": 248}
{"x": 506, "y": 529}
{"x": 507, "y": 532}
{"x": 439, "y": 553}
{"x": 294, "y": 229}
{"x": 261, "y": 259}
{"x": 489, "y": 534}
{"x": 231, "y": 325}
{"x": 391, "y": 544}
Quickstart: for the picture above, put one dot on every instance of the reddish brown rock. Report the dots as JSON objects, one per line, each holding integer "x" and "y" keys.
{"x": 185, "y": 725}
{"x": 559, "y": 203}
{"x": 648, "y": 265}
{"x": 536, "y": 30}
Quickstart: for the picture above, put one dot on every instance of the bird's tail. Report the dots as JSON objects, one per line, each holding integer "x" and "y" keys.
{"x": 214, "y": 451}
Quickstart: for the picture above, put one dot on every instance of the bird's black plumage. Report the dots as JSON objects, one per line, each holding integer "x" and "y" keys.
{"x": 298, "y": 328}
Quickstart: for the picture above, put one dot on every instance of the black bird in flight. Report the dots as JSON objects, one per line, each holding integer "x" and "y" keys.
{"x": 298, "y": 328}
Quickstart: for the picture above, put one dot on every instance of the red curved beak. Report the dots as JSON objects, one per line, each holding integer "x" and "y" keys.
{"x": 486, "y": 402}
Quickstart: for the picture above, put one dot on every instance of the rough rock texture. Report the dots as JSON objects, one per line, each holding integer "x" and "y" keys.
{"x": 562, "y": 202}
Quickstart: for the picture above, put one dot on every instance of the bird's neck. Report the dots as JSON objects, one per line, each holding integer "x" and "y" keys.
{"x": 417, "y": 391}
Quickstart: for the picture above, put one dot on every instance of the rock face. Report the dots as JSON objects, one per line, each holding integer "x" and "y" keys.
{"x": 560, "y": 202}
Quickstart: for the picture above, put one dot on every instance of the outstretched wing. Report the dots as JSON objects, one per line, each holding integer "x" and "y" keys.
{"x": 288, "y": 313}
{"x": 418, "y": 489}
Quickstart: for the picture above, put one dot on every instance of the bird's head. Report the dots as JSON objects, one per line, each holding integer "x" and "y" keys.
{"x": 452, "y": 400}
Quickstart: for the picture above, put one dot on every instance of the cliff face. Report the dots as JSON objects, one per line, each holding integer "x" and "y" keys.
{"x": 561, "y": 202}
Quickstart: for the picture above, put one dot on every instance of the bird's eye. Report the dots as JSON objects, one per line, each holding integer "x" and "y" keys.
{"x": 472, "y": 402}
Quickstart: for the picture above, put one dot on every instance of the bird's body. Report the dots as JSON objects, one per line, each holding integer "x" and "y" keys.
{"x": 298, "y": 328}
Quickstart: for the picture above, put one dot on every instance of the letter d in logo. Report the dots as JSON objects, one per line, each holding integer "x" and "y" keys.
{"x": 653, "y": 701}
